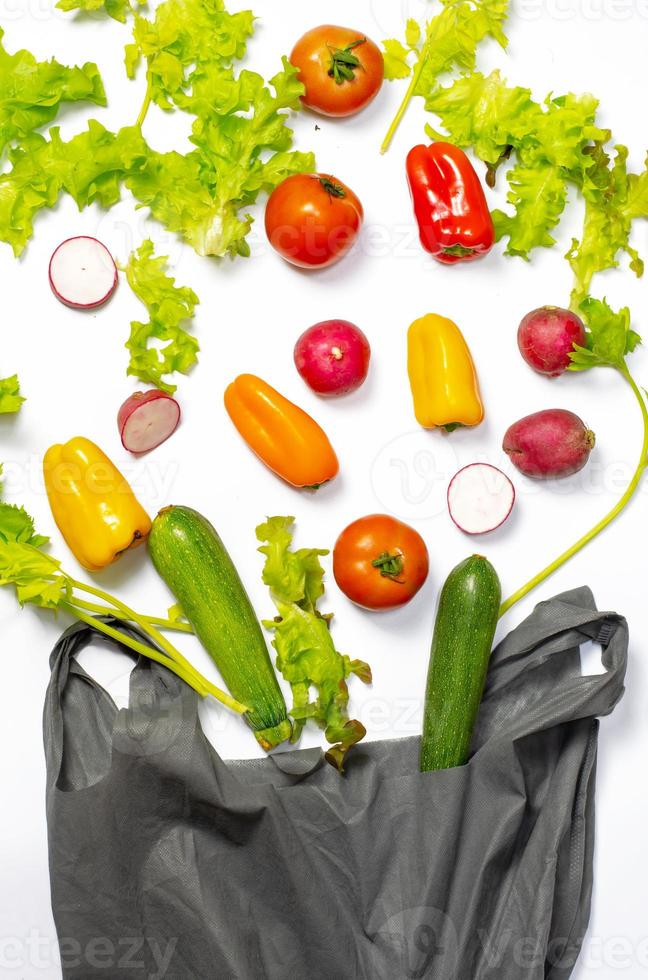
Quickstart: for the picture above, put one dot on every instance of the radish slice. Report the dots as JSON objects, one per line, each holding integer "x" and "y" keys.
{"x": 147, "y": 419}
{"x": 82, "y": 273}
{"x": 480, "y": 498}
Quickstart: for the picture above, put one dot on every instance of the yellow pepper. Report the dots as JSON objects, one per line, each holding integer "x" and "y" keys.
{"x": 93, "y": 505}
{"x": 442, "y": 375}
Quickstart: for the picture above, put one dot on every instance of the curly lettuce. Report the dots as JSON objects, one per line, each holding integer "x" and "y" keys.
{"x": 169, "y": 308}
{"x": 306, "y": 653}
{"x": 32, "y": 92}
{"x": 11, "y": 400}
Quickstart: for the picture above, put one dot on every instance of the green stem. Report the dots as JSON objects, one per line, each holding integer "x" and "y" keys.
{"x": 134, "y": 617}
{"x": 142, "y": 648}
{"x": 188, "y": 674}
{"x": 148, "y": 98}
{"x": 172, "y": 625}
{"x": 607, "y": 520}
{"x": 161, "y": 641}
{"x": 404, "y": 106}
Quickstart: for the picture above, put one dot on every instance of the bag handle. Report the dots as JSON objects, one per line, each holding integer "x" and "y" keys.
{"x": 547, "y": 646}
{"x": 79, "y": 711}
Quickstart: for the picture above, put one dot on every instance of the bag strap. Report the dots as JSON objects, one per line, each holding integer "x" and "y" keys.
{"x": 79, "y": 712}
{"x": 539, "y": 662}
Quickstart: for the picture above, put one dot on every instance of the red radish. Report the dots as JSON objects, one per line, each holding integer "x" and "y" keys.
{"x": 333, "y": 357}
{"x": 549, "y": 444}
{"x": 147, "y": 419}
{"x": 480, "y": 498}
{"x": 82, "y": 273}
{"x": 547, "y": 336}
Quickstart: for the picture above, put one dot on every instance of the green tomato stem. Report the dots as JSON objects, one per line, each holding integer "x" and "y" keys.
{"x": 607, "y": 520}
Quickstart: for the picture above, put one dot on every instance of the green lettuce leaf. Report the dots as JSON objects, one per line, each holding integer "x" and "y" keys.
{"x": 610, "y": 338}
{"x": 614, "y": 198}
{"x": 117, "y": 9}
{"x": 32, "y": 92}
{"x": 538, "y": 193}
{"x": 169, "y": 307}
{"x": 10, "y": 398}
{"x": 450, "y": 41}
{"x": 189, "y": 47}
{"x": 90, "y": 167}
{"x": 35, "y": 576}
{"x": 306, "y": 653}
{"x": 241, "y": 133}
{"x": 240, "y": 153}
{"x": 484, "y": 113}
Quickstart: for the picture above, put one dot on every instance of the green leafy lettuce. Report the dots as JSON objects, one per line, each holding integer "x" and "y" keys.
{"x": 190, "y": 50}
{"x": 449, "y": 41}
{"x": 609, "y": 337}
{"x": 10, "y": 397}
{"x": 117, "y": 9}
{"x": 32, "y": 92}
{"x": 306, "y": 653}
{"x": 169, "y": 308}
{"x": 203, "y": 194}
{"x": 35, "y": 575}
{"x": 90, "y": 167}
{"x": 614, "y": 198}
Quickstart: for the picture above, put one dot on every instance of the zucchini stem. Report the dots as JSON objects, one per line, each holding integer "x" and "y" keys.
{"x": 608, "y": 519}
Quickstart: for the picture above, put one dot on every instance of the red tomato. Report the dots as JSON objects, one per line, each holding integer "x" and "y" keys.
{"x": 341, "y": 70}
{"x": 312, "y": 220}
{"x": 379, "y": 562}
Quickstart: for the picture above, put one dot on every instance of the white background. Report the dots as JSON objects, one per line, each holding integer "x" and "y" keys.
{"x": 72, "y": 368}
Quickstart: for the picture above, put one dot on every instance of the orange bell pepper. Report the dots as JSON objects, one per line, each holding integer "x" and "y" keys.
{"x": 93, "y": 505}
{"x": 282, "y": 435}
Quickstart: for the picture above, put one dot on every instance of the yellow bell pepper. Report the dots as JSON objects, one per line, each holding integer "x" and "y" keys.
{"x": 442, "y": 375}
{"x": 93, "y": 505}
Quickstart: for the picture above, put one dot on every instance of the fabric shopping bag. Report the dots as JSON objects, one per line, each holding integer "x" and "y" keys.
{"x": 167, "y": 862}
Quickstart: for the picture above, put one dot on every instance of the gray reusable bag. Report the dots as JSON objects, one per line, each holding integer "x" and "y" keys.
{"x": 166, "y": 861}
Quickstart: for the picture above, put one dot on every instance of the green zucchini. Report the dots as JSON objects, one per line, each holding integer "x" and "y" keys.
{"x": 191, "y": 558}
{"x": 461, "y": 648}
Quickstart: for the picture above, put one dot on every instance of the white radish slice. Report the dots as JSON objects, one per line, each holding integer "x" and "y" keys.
{"x": 147, "y": 419}
{"x": 480, "y": 498}
{"x": 82, "y": 273}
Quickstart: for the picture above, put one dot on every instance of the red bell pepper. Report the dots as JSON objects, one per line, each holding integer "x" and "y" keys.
{"x": 454, "y": 222}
